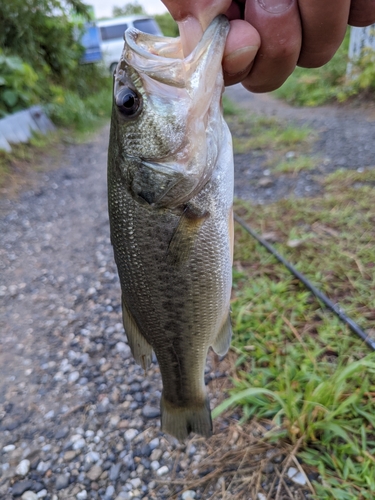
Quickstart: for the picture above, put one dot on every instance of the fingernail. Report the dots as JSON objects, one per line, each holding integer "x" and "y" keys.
{"x": 275, "y": 6}
{"x": 190, "y": 32}
{"x": 240, "y": 60}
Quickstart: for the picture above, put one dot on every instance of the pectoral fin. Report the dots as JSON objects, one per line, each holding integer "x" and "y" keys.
{"x": 141, "y": 349}
{"x": 183, "y": 239}
{"x": 222, "y": 341}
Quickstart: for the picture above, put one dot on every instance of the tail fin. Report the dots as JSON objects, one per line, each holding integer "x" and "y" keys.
{"x": 179, "y": 422}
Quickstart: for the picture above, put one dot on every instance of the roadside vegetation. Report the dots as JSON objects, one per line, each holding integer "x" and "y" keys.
{"x": 314, "y": 87}
{"x": 40, "y": 58}
{"x": 298, "y": 368}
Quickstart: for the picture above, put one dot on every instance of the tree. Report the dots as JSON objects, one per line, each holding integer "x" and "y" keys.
{"x": 42, "y": 33}
{"x": 167, "y": 24}
{"x": 129, "y": 9}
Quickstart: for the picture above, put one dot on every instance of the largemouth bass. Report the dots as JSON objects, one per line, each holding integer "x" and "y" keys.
{"x": 170, "y": 184}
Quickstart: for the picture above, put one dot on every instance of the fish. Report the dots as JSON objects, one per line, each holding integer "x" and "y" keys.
{"x": 170, "y": 199}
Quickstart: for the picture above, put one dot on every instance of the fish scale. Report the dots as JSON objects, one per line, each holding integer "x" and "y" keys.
{"x": 174, "y": 258}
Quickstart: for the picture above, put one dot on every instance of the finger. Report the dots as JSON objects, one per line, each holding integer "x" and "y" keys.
{"x": 193, "y": 18}
{"x": 242, "y": 45}
{"x": 203, "y": 10}
{"x": 279, "y": 27}
{"x": 362, "y": 12}
{"x": 323, "y": 28}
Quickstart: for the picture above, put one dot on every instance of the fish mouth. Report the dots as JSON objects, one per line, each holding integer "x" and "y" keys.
{"x": 161, "y": 58}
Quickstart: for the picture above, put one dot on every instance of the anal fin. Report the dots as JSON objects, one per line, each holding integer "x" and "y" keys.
{"x": 222, "y": 341}
{"x": 183, "y": 239}
{"x": 179, "y": 422}
{"x": 141, "y": 349}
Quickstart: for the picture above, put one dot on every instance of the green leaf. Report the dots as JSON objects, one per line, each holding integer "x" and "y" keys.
{"x": 10, "y": 98}
{"x": 247, "y": 393}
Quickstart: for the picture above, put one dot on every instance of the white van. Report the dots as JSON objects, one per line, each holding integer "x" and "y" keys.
{"x": 112, "y": 35}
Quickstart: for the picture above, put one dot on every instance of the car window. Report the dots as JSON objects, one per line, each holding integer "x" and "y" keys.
{"x": 147, "y": 26}
{"x": 113, "y": 32}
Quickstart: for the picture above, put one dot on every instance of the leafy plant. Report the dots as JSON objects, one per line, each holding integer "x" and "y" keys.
{"x": 18, "y": 84}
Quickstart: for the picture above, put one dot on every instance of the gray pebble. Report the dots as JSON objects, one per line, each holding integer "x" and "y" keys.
{"x": 188, "y": 495}
{"x": 21, "y": 486}
{"x": 23, "y": 467}
{"x": 115, "y": 471}
{"x": 62, "y": 481}
{"x": 79, "y": 444}
{"x": 150, "y": 411}
{"x": 130, "y": 434}
{"x": 82, "y": 495}
{"x": 109, "y": 492}
{"x": 154, "y": 443}
{"x": 9, "y": 447}
{"x": 29, "y": 495}
{"x": 74, "y": 376}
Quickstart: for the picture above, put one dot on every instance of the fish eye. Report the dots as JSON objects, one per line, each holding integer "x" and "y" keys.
{"x": 128, "y": 102}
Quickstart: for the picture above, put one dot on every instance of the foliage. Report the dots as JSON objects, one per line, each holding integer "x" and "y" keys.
{"x": 40, "y": 61}
{"x": 313, "y": 87}
{"x": 18, "y": 84}
{"x": 129, "y": 9}
{"x": 167, "y": 24}
{"x": 69, "y": 109}
{"x": 362, "y": 76}
{"x": 41, "y": 33}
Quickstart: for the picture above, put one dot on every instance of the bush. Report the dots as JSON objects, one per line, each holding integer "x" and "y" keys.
{"x": 18, "y": 84}
{"x": 40, "y": 58}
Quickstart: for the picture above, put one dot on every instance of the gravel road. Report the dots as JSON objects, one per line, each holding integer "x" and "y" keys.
{"x": 78, "y": 419}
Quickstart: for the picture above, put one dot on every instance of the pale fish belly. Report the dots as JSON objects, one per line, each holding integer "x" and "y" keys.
{"x": 179, "y": 309}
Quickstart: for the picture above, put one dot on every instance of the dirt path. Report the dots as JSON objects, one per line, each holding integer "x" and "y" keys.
{"x": 73, "y": 405}
{"x": 345, "y": 138}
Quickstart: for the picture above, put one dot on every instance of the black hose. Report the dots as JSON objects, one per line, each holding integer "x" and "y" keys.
{"x": 323, "y": 298}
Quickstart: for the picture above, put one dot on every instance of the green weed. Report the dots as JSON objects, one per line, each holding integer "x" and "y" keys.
{"x": 295, "y": 164}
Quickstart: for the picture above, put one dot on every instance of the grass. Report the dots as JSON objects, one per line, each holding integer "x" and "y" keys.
{"x": 286, "y": 146}
{"x": 297, "y": 364}
{"x": 295, "y": 164}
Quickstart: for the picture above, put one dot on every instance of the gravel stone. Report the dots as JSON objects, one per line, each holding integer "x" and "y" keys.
{"x": 130, "y": 434}
{"x": 29, "y": 495}
{"x": 150, "y": 411}
{"x": 20, "y": 487}
{"x": 188, "y": 495}
{"x": 23, "y": 467}
{"x": 162, "y": 471}
{"x": 115, "y": 471}
{"x": 82, "y": 495}
{"x": 296, "y": 476}
{"x": 62, "y": 481}
{"x": 94, "y": 473}
{"x": 109, "y": 492}
{"x": 42, "y": 493}
{"x": 8, "y": 448}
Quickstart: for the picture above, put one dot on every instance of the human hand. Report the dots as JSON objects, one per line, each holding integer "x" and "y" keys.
{"x": 268, "y": 38}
